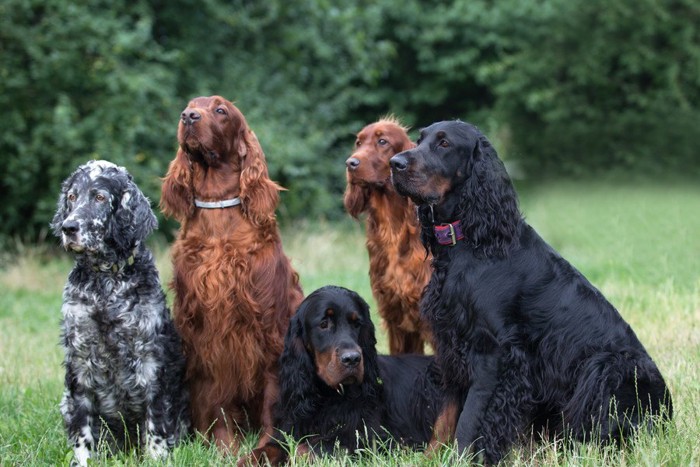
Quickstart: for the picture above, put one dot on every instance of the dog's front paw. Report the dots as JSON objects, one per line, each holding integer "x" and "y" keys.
{"x": 156, "y": 446}
{"x": 81, "y": 454}
{"x": 266, "y": 455}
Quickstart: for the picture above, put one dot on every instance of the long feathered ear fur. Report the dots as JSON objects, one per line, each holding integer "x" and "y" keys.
{"x": 133, "y": 219}
{"x": 408, "y": 144}
{"x": 259, "y": 195}
{"x": 368, "y": 343}
{"x": 177, "y": 199}
{"x": 356, "y": 199}
{"x": 297, "y": 372}
{"x": 425, "y": 218}
{"x": 488, "y": 203}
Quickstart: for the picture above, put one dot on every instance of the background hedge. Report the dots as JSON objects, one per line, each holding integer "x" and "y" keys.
{"x": 563, "y": 87}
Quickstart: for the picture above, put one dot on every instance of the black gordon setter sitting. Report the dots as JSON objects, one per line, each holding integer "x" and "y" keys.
{"x": 335, "y": 389}
{"x": 538, "y": 348}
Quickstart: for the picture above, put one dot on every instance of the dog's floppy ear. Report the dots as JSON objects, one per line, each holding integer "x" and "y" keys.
{"x": 133, "y": 218}
{"x": 297, "y": 371}
{"x": 427, "y": 223}
{"x": 488, "y": 204}
{"x": 407, "y": 144}
{"x": 368, "y": 342}
{"x": 259, "y": 195}
{"x": 367, "y": 339}
{"x": 356, "y": 199}
{"x": 177, "y": 199}
{"x": 62, "y": 205}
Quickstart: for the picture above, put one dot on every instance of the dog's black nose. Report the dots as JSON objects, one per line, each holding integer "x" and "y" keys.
{"x": 70, "y": 227}
{"x": 189, "y": 116}
{"x": 352, "y": 163}
{"x": 398, "y": 162}
{"x": 350, "y": 358}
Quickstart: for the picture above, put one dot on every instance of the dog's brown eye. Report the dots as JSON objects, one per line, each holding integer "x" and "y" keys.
{"x": 358, "y": 143}
{"x": 72, "y": 197}
{"x": 323, "y": 324}
{"x": 382, "y": 142}
{"x": 444, "y": 143}
{"x": 99, "y": 197}
{"x": 221, "y": 110}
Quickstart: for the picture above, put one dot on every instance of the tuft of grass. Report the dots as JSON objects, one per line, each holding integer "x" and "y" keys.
{"x": 639, "y": 244}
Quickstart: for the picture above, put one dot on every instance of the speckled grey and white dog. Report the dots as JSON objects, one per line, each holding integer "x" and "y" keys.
{"x": 123, "y": 358}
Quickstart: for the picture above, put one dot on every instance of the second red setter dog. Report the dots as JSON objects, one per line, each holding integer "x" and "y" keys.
{"x": 398, "y": 269}
{"x": 235, "y": 290}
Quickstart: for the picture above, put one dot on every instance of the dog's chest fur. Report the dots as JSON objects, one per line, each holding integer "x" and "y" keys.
{"x": 109, "y": 323}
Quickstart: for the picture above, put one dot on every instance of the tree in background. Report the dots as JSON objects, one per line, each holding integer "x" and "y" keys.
{"x": 593, "y": 86}
{"x": 562, "y": 86}
{"x": 80, "y": 80}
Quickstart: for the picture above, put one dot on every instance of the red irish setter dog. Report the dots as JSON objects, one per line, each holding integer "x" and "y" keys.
{"x": 398, "y": 267}
{"x": 235, "y": 290}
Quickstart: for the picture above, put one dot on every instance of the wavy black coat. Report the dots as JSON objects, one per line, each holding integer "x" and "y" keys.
{"x": 538, "y": 348}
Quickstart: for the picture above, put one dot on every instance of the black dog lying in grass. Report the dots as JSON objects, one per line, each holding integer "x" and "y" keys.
{"x": 537, "y": 347}
{"x": 336, "y": 390}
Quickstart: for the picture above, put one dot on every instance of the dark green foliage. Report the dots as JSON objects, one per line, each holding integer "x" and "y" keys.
{"x": 596, "y": 85}
{"x": 80, "y": 80}
{"x": 561, "y": 86}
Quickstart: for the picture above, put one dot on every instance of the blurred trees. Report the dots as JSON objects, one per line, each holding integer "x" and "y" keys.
{"x": 599, "y": 85}
{"x": 562, "y": 86}
{"x": 80, "y": 80}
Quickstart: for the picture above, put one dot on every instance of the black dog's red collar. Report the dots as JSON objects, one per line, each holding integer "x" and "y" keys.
{"x": 448, "y": 234}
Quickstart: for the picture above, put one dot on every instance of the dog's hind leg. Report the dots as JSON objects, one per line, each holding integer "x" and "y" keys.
{"x": 616, "y": 392}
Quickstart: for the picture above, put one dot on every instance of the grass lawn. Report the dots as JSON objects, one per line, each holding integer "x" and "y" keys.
{"x": 638, "y": 243}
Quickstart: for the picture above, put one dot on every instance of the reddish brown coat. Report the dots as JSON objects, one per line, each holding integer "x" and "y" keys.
{"x": 399, "y": 266}
{"x": 235, "y": 290}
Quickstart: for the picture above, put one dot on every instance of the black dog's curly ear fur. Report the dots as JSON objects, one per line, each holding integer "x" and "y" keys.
{"x": 297, "y": 373}
{"x": 425, "y": 218}
{"x": 490, "y": 216}
{"x": 133, "y": 218}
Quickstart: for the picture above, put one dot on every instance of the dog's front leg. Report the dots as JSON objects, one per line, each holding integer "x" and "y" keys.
{"x": 167, "y": 419}
{"x": 80, "y": 426}
{"x": 499, "y": 403}
{"x": 445, "y": 424}
{"x": 271, "y": 397}
{"x": 484, "y": 378}
{"x": 160, "y": 426}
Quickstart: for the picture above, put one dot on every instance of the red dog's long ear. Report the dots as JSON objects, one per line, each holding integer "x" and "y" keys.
{"x": 356, "y": 199}
{"x": 408, "y": 144}
{"x": 176, "y": 199}
{"x": 259, "y": 195}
